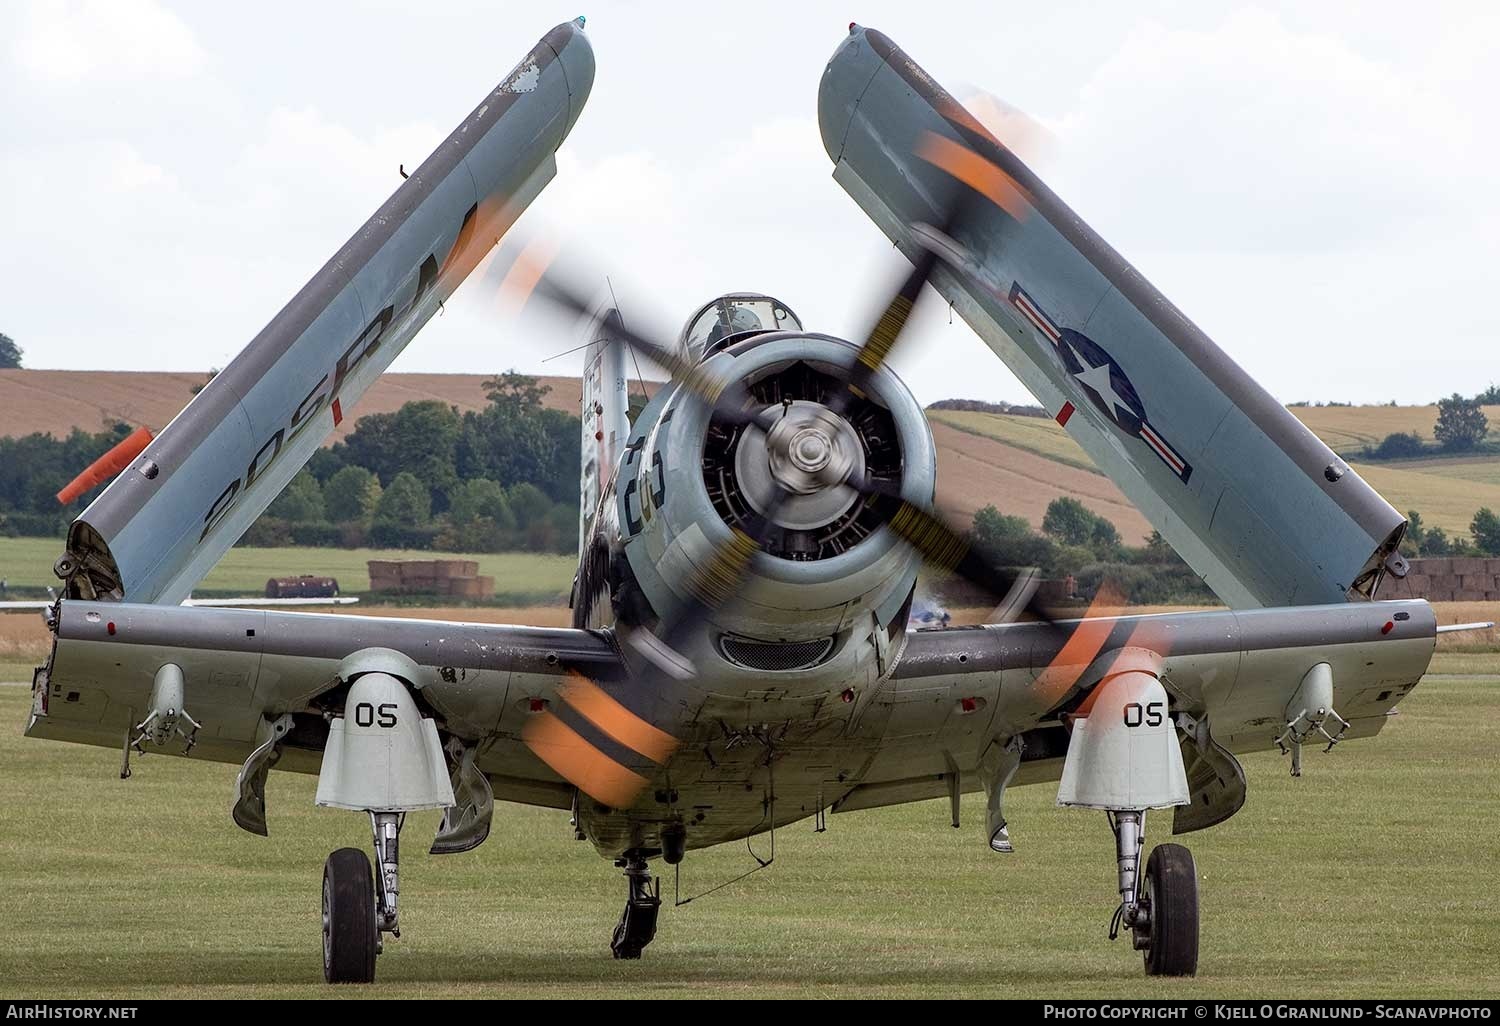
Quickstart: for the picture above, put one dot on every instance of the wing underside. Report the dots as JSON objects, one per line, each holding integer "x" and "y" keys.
{"x": 1261, "y": 508}
{"x": 244, "y": 668}
{"x": 166, "y": 520}
{"x": 956, "y": 694}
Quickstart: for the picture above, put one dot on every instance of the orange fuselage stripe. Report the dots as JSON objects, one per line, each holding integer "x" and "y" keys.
{"x": 615, "y": 720}
{"x": 580, "y": 763}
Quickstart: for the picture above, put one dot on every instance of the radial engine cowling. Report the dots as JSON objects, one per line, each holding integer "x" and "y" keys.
{"x": 831, "y": 573}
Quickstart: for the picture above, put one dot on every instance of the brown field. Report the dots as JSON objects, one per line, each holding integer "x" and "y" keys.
{"x": 23, "y": 638}
{"x": 56, "y": 401}
{"x": 1445, "y": 491}
{"x": 1017, "y": 463}
{"x": 975, "y": 471}
{"x": 1349, "y": 427}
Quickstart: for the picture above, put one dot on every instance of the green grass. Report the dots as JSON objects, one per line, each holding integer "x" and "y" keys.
{"x": 1372, "y": 875}
{"x": 13, "y": 670}
{"x": 27, "y": 562}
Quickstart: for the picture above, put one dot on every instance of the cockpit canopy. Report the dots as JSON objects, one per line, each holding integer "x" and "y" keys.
{"x": 735, "y": 314}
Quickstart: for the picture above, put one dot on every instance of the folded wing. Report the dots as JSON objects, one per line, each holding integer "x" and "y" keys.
{"x": 1255, "y": 503}
{"x": 166, "y": 520}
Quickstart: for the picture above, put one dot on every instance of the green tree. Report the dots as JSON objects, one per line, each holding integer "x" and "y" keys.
{"x": 516, "y": 439}
{"x": 213, "y": 372}
{"x": 1416, "y": 534}
{"x": 529, "y": 503}
{"x": 1069, "y": 521}
{"x": 481, "y": 499}
{"x": 995, "y": 532}
{"x": 1009, "y": 541}
{"x": 1485, "y": 527}
{"x": 1435, "y": 542}
{"x": 421, "y": 438}
{"x": 1105, "y": 537}
{"x": 351, "y": 494}
{"x": 1400, "y": 445}
{"x": 406, "y": 502}
{"x": 10, "y": 353}
{"x": 515, "y": 390}
{"x": 1157, "y": 550}
{"x": 1461, "y": 424}
{"x": 300, "y": 501}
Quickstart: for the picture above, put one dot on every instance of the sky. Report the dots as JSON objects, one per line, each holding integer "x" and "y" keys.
{"x": 1313, "y": 184}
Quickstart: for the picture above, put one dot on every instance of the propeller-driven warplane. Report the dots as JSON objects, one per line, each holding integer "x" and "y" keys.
{"x": 741, "y": 656}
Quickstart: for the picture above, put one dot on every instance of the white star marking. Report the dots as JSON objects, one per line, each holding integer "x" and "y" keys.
{"x": 1098, "y": 379}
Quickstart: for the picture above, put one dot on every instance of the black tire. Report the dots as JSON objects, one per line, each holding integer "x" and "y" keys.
{"x": 350, "y": 932}
{"x": 1171, "y": 886}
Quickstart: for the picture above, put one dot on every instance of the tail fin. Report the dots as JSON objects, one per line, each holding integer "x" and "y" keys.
{"x": 605, "y": 416}
{"x": 159, "y": 527}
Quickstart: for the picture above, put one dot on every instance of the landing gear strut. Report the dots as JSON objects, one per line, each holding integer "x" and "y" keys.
{"x": 637, "y": 924}
{"x": 359, "y": 905}
{"x": 1160, "y": 911}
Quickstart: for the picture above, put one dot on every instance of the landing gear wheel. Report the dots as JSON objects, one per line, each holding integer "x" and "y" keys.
{"x": 637, "y": 924}
{"x": 1171, "y": 895}
{"x": 350, "y": 936}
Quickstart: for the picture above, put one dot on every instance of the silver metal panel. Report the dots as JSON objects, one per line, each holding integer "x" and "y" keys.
{"x": 1314, "y": 535}
{"x": 165, "y": 521}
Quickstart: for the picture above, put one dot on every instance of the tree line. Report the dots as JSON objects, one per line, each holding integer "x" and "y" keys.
{"x": 429, "y": 477}
{"x": 1483, "y": 538}
{"x": 1461, "y": 427}
{"x": 1076, "y": 542}
{"x": 501, "y": 478}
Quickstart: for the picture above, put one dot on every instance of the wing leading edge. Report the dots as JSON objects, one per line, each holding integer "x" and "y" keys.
{"x": 166, "y": 520}
{"x": 1251, "y": 498}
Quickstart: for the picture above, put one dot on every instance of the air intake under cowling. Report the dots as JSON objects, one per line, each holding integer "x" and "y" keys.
{"x": 774, "y": 655}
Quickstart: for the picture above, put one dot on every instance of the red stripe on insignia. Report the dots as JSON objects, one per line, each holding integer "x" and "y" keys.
{"x": 1162, "y": 449}
{"x": 1064, "y": 413}
{"x": 1036, "y": 317}
{"x": 338, "y": 413}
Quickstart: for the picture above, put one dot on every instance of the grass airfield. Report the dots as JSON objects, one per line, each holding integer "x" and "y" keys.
{"x": 1374, "y": 874}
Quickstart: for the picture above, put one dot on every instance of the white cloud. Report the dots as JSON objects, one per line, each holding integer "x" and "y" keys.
{"x": 1309, "y": 185}
{"x": 97, "y": 41}
{"x": 1252, "y": 135}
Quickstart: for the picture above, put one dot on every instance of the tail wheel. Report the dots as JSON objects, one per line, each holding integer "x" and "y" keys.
{"x": 350, "y": 933}
{"x": 1172, "y": 890}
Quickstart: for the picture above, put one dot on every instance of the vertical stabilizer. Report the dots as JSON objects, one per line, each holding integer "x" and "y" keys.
{"x": 605, "y": 415}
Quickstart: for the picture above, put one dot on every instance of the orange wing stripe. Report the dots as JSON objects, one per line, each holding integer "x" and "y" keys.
{"x": 615, "y": 720}
{"x": 1081, "y": 648}
{"x": 580, "y": 763}
{"x": 523, "y": 276}
{"x": 976, "y": 172}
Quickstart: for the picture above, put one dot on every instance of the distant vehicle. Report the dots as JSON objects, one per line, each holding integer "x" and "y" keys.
{"x": 302, "y": 586}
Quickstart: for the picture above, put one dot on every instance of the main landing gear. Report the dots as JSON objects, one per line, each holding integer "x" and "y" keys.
{"x": 359, "y": 905}
{"x": 1161, "y": 912}
{"x": 637, "y": 924}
